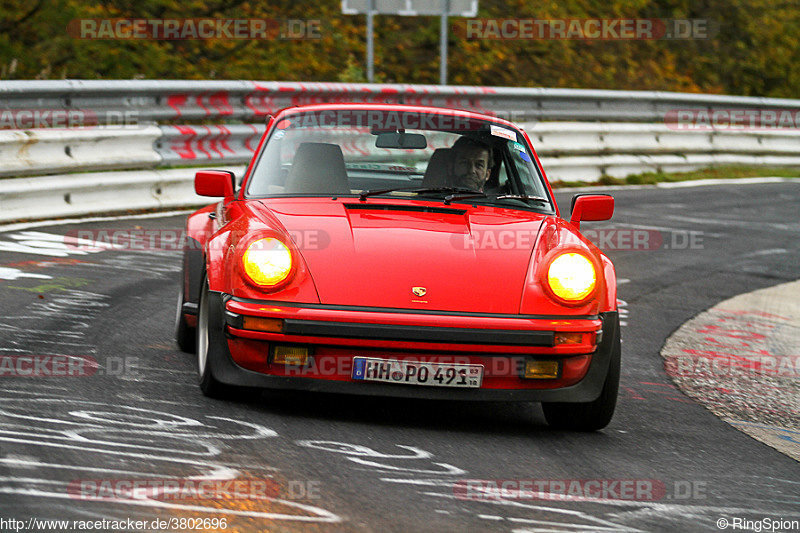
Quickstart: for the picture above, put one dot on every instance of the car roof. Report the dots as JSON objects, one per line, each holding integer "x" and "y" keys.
{"x": 394, "y": 107}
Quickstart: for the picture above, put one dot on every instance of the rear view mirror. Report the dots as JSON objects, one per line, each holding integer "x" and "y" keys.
{"x": 397, "y": 139}
{"x": 591, "y": 207}
{"x": 214, "y": 183}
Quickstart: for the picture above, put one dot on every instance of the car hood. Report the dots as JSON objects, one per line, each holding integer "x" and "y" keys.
{"x": 411, "y": 254}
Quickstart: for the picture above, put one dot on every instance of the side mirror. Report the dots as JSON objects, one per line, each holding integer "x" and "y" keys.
{"x": 214, "y": 183}
{"x": 591, "y": 207}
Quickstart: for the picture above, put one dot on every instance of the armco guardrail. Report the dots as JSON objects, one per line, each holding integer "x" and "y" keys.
{"x": 579, "y": 151}
{"x": 98, "y": 192}
{"x": 51, "y": 127}
{"x": 44, "y": 151}
{"x": 123, "y": 101}
{"x": 572, "y": 146}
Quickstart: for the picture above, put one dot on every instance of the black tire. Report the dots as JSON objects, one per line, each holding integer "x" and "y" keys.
{"x": 206, "y": 321}
{"x": 185, "y": 335}
{"x": 594, "y": 415}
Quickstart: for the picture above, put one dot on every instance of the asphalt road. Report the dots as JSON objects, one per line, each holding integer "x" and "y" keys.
{"x": 336, "y": 463}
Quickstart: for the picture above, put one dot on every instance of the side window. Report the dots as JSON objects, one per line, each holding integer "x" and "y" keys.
{"x": 523, "y": 166}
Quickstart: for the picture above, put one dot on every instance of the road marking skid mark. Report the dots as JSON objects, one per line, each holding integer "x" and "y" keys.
{"x": 358, "y": 451}
{"x": 595, "y": 521}
{"x": 449, "y": 470}
{"x": 67, "y": 430}
{"x": 642, "y": 508}
{"x": 25, "y": 464}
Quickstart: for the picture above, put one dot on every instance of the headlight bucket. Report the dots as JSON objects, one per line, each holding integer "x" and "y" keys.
{"x": 570, "y": 276}
{"x": 267, "y": 261}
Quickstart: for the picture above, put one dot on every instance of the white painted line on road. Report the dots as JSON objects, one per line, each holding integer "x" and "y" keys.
{"x": 768, "y": 251}
{"x": 15, "y": 273}
{"x": 678, "y": 184}
{"x": 57, "y": 222}
{"x": 722, "y": 181}
{"x": 665, "y": 229}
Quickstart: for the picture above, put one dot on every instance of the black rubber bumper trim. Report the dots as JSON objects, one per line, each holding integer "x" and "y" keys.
{"x": 228, "y": 372}
{"x": 398, "y": 310}
{"x": 322, "y": 328}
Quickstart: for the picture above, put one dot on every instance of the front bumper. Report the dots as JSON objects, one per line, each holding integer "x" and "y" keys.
{"x": 336, "y": 334}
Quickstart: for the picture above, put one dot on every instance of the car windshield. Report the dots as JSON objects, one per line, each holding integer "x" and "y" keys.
{"x": 370, "y": 152}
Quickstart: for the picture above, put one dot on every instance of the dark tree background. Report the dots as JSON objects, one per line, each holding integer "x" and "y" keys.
{"x": 754, "y": 52}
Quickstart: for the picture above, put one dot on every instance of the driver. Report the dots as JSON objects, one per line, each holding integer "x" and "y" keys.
{"x": 472, "y": 163}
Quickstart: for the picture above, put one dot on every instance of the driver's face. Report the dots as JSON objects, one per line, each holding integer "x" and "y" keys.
{"x": 471, "y": 168}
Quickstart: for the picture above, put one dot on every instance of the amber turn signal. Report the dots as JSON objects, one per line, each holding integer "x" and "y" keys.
{"x": 256, "y": 323}
{"x": 569, "y": 338}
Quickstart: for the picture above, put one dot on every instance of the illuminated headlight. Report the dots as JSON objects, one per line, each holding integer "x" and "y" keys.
{"x": 267, "y": 262}
{"x": 572, "y": 277}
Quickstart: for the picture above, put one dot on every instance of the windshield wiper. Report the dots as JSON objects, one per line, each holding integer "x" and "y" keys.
{"x": 466, "y": 195}
{"x": 456, "y": 193}
{"x": 478, "y": 194}
{"x": 363, "y": 195}
{"x": 540, "y": 199}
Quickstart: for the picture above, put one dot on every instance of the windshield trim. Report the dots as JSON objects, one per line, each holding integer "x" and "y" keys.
{"x": 286, "y": 113}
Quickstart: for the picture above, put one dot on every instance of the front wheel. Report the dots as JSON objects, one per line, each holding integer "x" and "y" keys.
{"x": 589, "y": 416}
{"x": 204, "y": 337}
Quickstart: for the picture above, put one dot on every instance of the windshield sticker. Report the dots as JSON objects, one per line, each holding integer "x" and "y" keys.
{"x": 505, "y": 133}
{"x": 525, "y": 157}
{"x": 518, "y": 146}
{"x": 279, "y": 134}
{"x": 283, "y": 124}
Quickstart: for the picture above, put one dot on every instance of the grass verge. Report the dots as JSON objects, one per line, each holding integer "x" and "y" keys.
{"x": 649, "y": 178}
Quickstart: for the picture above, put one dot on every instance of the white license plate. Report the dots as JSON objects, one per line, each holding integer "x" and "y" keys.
{"x": 417, "y": 373}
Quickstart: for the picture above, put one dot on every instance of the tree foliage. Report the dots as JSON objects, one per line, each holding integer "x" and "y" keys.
{"x": 753, "y": 53}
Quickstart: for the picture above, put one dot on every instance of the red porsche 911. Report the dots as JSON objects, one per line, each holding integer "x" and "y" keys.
{"x": 401, "y": 251}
